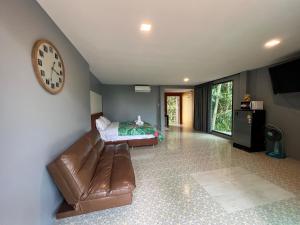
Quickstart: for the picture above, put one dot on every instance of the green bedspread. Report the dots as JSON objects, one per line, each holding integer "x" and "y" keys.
{"x": 130, "y": 129}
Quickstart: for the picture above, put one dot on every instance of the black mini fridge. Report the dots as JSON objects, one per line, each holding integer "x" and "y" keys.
{"x": 249, "y": 130}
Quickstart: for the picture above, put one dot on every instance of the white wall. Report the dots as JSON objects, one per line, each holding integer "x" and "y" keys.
{"x": 188, "y": 109}
{"x": 95, "y": 102}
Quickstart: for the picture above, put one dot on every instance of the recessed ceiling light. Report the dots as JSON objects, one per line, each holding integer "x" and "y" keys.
{"x": 186, "y": 79}
{"x": 272, "y": 43}
{"x": 145, "y": 27}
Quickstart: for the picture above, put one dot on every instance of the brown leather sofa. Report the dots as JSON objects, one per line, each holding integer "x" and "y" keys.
{"x": 92, "y": 176}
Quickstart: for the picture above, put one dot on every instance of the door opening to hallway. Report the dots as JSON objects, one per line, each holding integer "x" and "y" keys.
{"x": 174, "y": 110}
{"x": 179, "y": 108}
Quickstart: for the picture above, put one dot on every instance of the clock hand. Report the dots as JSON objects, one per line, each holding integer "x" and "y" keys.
{"x": 55, "y": 71}
{"x": 52, "y": 70}
{"x": 51, "y": 75}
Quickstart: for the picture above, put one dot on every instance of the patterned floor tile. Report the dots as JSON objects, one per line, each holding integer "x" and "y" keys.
{"x": 168, "y": 194}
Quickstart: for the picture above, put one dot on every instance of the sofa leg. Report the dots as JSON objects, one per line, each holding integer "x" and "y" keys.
{"x": 65, "y": 210}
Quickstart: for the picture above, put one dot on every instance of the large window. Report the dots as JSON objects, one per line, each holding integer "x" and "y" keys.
{"x": 221, "y": 107}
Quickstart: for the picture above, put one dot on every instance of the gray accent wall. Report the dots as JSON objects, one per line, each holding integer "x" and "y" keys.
{"x": 122, "y": 103}
{"x": 35, "y": 126}
{"x": 282, "y": 110}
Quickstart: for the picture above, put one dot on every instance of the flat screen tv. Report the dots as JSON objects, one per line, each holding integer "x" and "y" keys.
{"x": 286, "y": 77}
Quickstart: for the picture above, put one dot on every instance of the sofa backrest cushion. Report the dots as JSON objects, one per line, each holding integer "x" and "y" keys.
{"x": 93, "y": 136}
{"x": 73, "y": 170}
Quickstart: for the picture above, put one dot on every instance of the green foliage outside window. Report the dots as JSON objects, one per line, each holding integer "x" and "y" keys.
{"x": 221, "y": 107}
{"x": 171, "y": 109}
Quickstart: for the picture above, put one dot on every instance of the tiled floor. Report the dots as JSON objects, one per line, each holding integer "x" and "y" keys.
{"x": 174, "y": 186}
{"x": 236, "y": 189}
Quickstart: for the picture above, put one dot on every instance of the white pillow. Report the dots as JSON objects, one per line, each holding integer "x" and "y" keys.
{"x": 107, "y": 121}
{"x": 101, "y": 124}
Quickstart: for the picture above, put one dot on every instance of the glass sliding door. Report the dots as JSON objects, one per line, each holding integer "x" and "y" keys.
{"x": 221, "y": 107}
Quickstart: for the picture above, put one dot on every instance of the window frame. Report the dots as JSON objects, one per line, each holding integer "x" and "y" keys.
{"x": 210, "y": 111}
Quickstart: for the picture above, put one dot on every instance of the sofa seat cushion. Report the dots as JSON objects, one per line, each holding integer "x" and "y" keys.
{"x": 122, "y": 150}
{"x": 100, "y": 184}
{"x": 122, "y": 177}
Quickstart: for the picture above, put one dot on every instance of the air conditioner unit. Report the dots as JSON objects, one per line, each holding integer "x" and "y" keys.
{"x": 142, "y": 88}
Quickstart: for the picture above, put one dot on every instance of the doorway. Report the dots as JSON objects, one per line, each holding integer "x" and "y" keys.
{"x": 179, "y": 108}
{"x": 173, "y": 109}
{"x": 173, "y": 106}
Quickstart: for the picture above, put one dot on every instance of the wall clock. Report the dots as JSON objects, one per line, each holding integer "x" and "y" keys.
{"x": 48, "y": 66}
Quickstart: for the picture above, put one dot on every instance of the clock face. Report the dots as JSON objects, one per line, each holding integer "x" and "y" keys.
{"x": 48, "y": 66}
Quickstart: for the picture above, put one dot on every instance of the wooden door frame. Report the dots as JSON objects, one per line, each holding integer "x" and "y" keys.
{"x": 180, "y": 103}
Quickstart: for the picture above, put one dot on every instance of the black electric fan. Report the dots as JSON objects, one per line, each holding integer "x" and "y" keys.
{"x": 274, "y": 137}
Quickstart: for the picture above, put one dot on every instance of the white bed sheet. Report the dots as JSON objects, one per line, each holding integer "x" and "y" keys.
{"x": 111, "y": 133}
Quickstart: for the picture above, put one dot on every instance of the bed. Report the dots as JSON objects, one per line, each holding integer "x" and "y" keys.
{"x": 110, "y": 135}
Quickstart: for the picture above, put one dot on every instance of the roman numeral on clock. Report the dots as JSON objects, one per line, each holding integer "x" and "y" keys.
{"x": 41, "y": 53}
{"x": 45, "y": 48}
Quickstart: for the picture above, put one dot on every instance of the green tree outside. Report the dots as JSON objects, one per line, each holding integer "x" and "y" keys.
{"x": 221, "y": 107}
{"x": 171, "y": 109}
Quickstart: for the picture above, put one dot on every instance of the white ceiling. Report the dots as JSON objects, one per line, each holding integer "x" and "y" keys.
{"x": 202, "y": 40}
